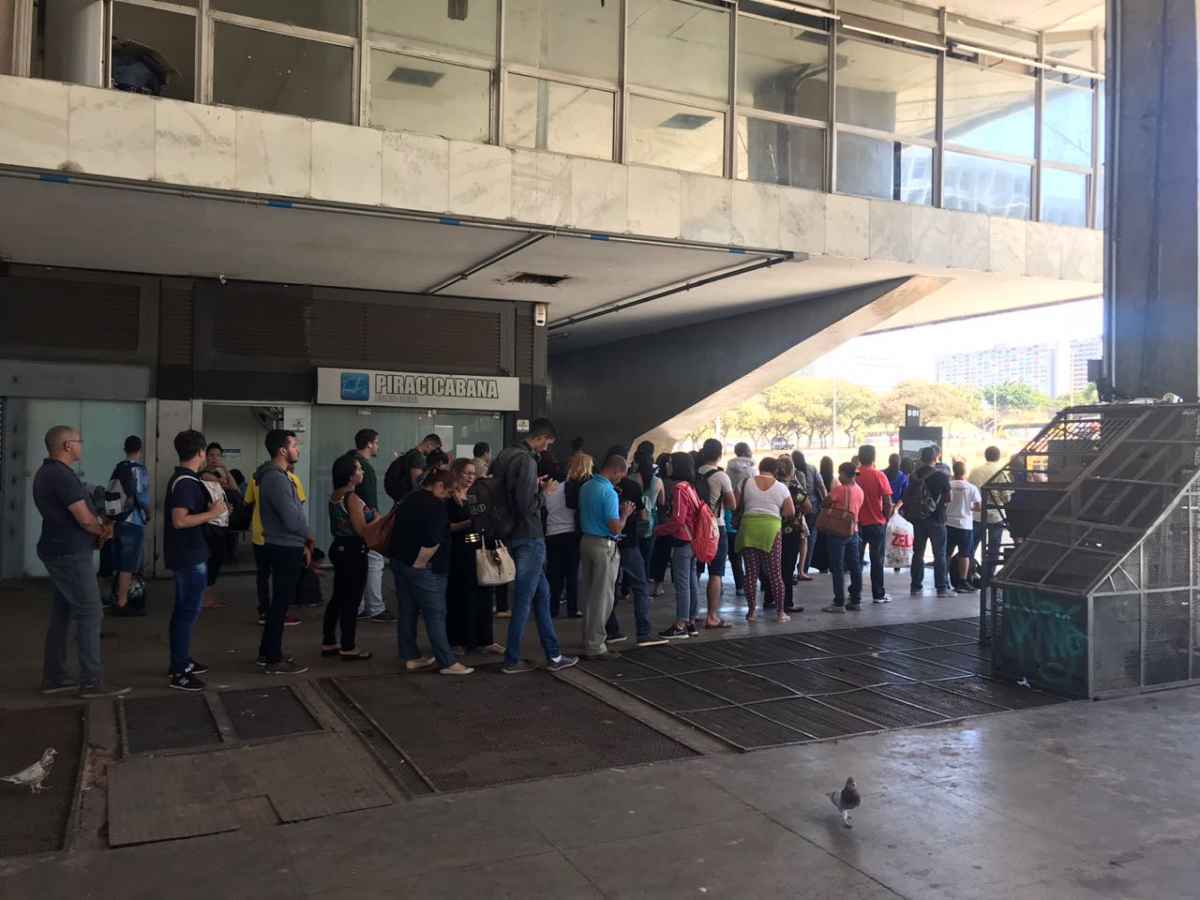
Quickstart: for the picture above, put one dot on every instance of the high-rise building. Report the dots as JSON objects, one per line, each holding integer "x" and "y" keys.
{"x": 1079, "y": 352}
{"x": 1032, "y": 365}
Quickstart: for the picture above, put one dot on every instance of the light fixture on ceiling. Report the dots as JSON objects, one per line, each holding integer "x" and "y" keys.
{"x": 686, "y": 121}
{"x": 457, "y": 10}
{"x": 425, "y": 78}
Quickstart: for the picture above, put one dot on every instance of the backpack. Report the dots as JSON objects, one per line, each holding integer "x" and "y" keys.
{"x": 498, "y": 519}
{"x": 705, "y": 533}
{"x": 395, "y": 477}
{"x": 919, "y": 504}
{"x": 703, "y": 492}
{"x": 120, "y": 497}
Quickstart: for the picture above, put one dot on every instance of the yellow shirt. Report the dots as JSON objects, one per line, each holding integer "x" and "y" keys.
{"x": 256, "y": 530}
{"x": 981, "y": 475}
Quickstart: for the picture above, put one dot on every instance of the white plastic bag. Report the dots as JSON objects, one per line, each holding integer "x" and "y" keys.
{"x": 898, "y": 543}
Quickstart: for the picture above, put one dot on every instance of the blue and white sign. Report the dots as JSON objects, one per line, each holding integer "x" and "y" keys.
{"x": 369, "y": 387}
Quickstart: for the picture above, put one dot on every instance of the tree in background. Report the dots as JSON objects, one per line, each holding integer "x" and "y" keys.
{"x": 798, "y": 406}
{"x": 857, "y": 408}
{"x": 938, "y": 403}
{"x": 752, "y": 418}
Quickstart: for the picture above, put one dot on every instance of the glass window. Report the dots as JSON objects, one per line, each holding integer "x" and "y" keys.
{"x": 1067, "y": 124}
{"x": 887, "y": 88}
{"x": 990, "y": 186}
{"x": 889, "y": 170}
{"x": 1065, "y": 196}
{"x": 564, "y": 118}
{"x": 278, "y": 73}
{"x": 989, "y": 108}
{"x": 323, "y": 15}
{"x": 1100, "y": 205}
{"x": 972, "y": 31}
{"x": 68, "y": 42}
{"x": 569, "y": 36}
{"x": 895, "y": 11}
{"x": 783, "y": 69}
{"x": 676, "y": 45}
{"x": 413, "y": 94}
{"x": 1071, "y": 47}
{"x": 676, "y": 137}
{"x": 458, "y": 25}
{"x": 780, "y": 153}
{"x": 154, "y": 52}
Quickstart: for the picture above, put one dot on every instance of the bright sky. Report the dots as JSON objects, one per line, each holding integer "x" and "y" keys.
{"x": 883, "y": 361}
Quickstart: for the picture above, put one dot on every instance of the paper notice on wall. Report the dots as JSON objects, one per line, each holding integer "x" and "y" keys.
{"x": 464, "y": 451}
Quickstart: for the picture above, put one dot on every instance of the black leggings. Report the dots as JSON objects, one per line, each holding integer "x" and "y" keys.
{"x": 349, "y": 557}
{"x": 791, "y": 553}
{"x": 562, "y": 571}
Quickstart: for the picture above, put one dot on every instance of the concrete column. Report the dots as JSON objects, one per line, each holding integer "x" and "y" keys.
{"x": 1152, "y": 281}
{"x": 8, "y": 20}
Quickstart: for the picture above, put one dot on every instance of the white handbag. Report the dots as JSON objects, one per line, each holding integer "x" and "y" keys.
{"x": 494, "y": 566}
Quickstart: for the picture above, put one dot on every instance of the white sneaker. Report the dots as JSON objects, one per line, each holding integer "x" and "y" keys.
{"x": 886, "y": 598}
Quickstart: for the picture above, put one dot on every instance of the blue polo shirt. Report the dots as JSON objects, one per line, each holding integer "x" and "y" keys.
{"x": 597, "y": 507}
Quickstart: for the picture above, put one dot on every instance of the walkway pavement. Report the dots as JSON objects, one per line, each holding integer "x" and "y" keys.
{"x": 1079, "y": 800}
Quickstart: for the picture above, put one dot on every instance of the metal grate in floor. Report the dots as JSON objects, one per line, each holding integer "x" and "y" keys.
{"x": 805, "y": 686}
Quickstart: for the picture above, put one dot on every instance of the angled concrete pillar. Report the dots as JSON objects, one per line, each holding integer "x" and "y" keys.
{"x": 663, "y": 385}
{"x": 1152, "y": 280}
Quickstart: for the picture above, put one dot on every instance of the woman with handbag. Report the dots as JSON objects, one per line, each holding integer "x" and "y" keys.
{"x": 838, "y": 523}
{"x": 468, "y": 606}
{"x": 764, "y": 505}
{"x": 348, "y": 553}
{"x": 795, "y": 532}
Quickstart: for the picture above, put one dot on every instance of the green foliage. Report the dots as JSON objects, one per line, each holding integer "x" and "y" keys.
{"x": 939, "y": 403}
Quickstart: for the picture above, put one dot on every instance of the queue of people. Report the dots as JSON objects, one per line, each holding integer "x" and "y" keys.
{"x": 580, "y": 536}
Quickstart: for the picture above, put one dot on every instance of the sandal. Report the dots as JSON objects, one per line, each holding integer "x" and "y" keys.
{"x": 354, "y": 655}
{"x": 494, "y": 649}
{"x": 720, "y": 623}
{"x": 751, "y": 615}
{"x": 804, "y": 578}
{"x": 783, "y": 617}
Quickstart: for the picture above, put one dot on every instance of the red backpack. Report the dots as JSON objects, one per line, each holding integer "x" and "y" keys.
{"x": 705, "y": 534}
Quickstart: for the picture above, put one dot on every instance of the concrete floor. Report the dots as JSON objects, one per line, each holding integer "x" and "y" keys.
{"x": 1076, "y": 800}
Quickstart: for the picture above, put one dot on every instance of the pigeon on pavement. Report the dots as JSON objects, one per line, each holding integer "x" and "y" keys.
{"x": 845, "y": 800}
{"x": 34, "y": 775}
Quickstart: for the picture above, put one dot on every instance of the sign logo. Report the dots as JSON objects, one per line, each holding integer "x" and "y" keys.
{"x": 356, "y": 387}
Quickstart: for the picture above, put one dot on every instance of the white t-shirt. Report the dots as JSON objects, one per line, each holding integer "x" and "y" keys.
{"x": 963, "y": 495}
{"x": 718, "y": 486}
{"x": 769, "y": 502}
{"x": 560, "y": 518}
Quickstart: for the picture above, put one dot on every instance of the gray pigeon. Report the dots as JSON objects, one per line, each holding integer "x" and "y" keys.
{"x": 34, "y": 775}
{"x": 845, "y": 800}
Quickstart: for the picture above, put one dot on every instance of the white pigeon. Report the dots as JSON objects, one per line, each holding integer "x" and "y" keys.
{"x": 845, "y": 800}
{"x": 35, "y": 775}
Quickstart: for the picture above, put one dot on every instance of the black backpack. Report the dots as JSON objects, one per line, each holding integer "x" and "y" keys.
{"x": 499, "y": 521}
{"x": 396, "y": 483}
{"x": 919, "y": 504}
{"x": 702, "y": 490}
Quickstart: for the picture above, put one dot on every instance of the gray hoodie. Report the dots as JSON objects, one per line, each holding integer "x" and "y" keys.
{"x": 739, "y": 470}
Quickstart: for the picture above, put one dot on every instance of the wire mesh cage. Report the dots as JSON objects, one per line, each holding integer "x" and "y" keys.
{"x": 1096, "y": 575}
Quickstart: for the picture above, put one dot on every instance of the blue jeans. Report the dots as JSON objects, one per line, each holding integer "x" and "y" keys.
{"x": 128, "y": 547}
{"x": 687, "y": 583}
{"x": 530, "y": 594}
{"x": 933, "y": 533}
{"x": 421, "y": 591}
{"x": 76, "y": 599}
{"x": 843, "y": 555}
{"x": 873, "y": 537}
{"x": 190, "y": 584}
{"x": 633, "y": 576}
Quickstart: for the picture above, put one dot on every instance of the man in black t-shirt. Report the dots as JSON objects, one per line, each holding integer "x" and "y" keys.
{"x": 188, "y": 507}
{"x": 932, "y": 528}
{"x": 70, "y": 535}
